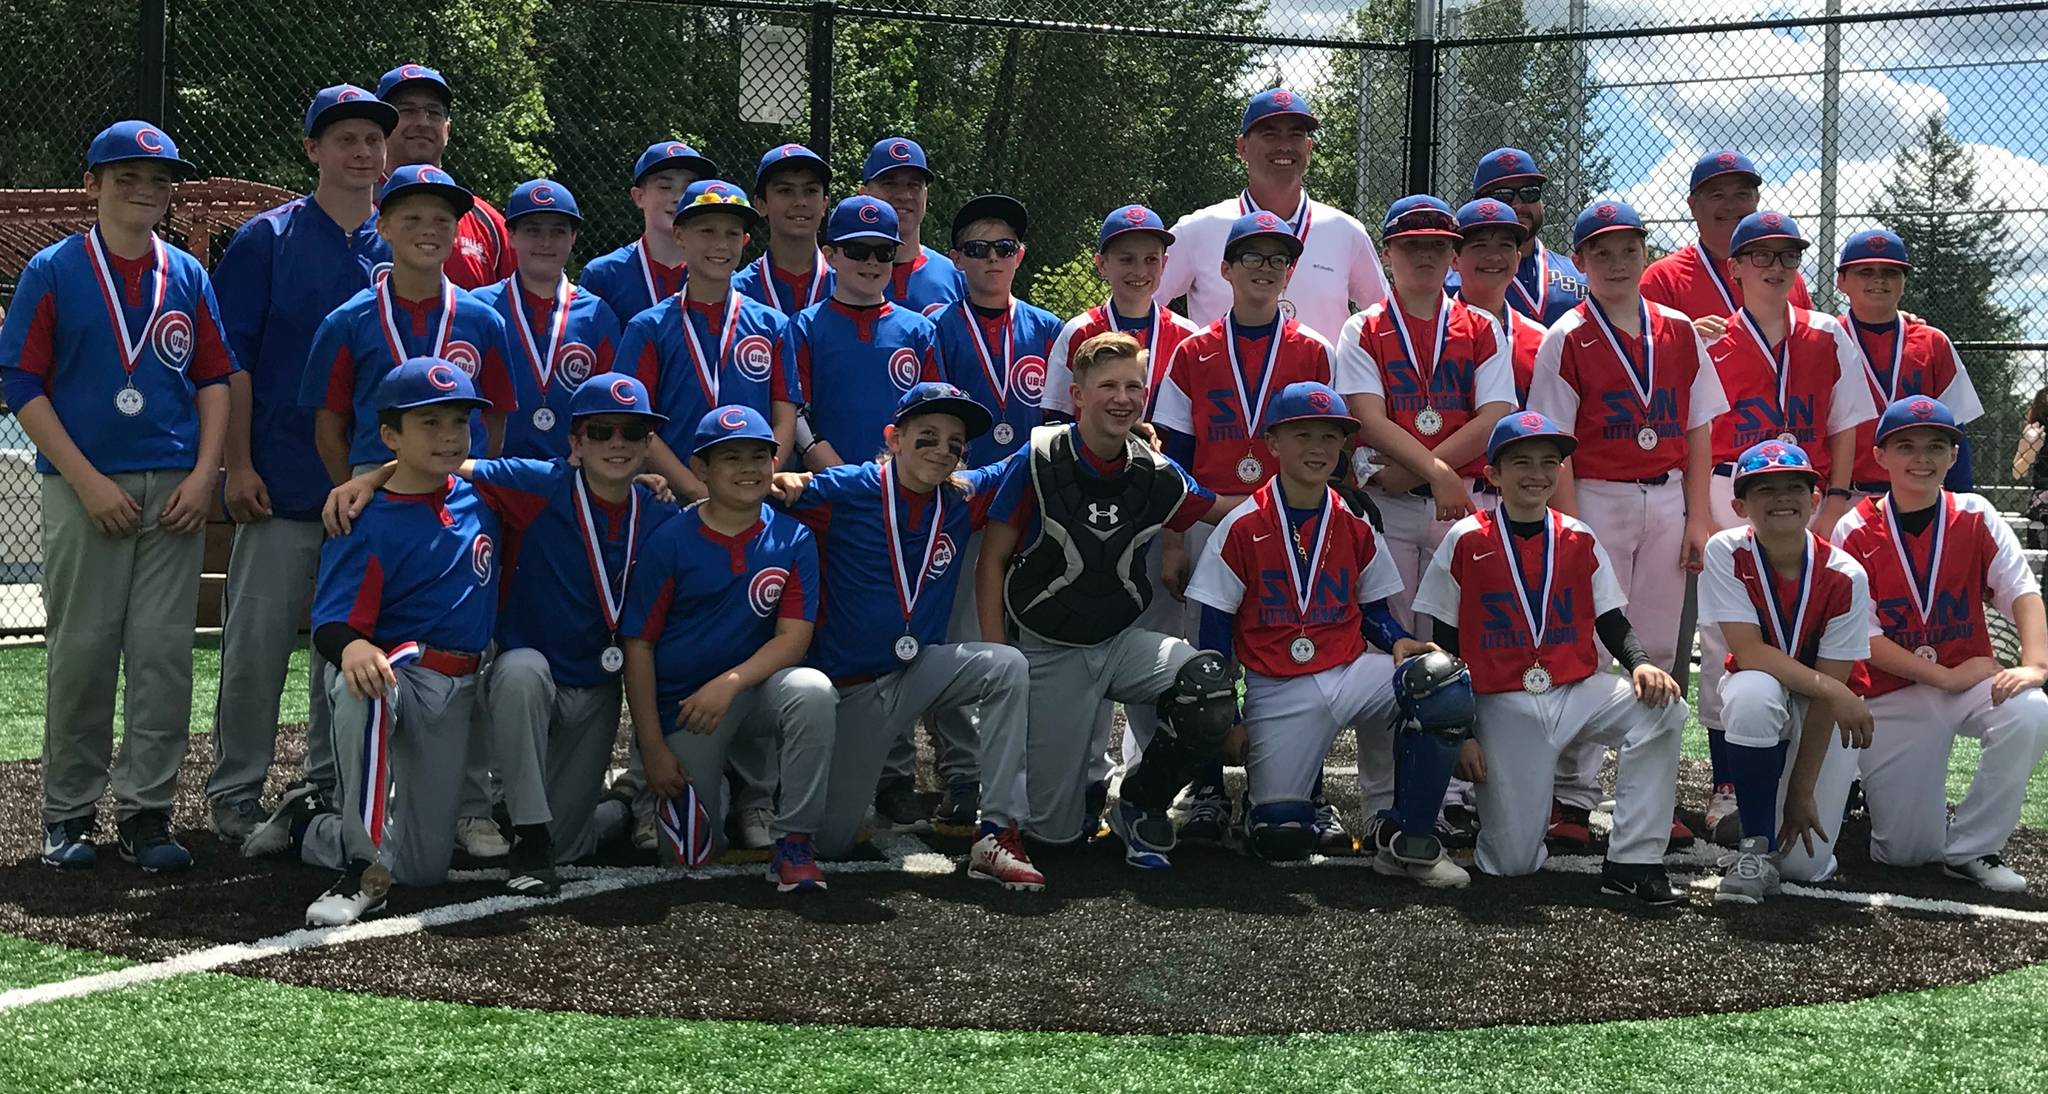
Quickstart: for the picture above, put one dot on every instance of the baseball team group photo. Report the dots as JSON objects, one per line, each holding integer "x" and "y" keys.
{"x": 797, "y": 598}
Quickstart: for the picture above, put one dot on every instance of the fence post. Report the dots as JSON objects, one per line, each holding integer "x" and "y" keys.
{"x": 153, "y": 36}
{"x": 824, "y": 19}
{"x": 1422, "y": 99}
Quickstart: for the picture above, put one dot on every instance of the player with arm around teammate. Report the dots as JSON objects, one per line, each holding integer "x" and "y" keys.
{"x": 1521, "y": 591}
{"x": 1308, "y": 673}
{"x": 1932, "y": 558}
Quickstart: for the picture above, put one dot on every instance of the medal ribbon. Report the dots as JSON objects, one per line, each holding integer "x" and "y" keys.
{"x": 908, "y": 590}
{"x": 1298, "y": 223}
{"x": 558, "y": 325}
{"x": 1536, "y": 302}
{"x": 1782, "y": 625}
{"x": 707, "y": 373}
{"x": 1304, "y": 584}
{"x": 1780, "y": 358}
{"x": 394, "y": 339}
{"x": 110, "y": 292}
{"x": 1884, "y": 393}
{"x": 1109, "y": 323}
{"x": 999, "y": 379}
{"x": 1921, "y": 584}
{"x": 1443, "y": 327}
{"x": 607, "y": 602}
{"x": 646, "y": 271}
{"x": 1252, "y": 413}
{"x": 1537, "y": 612}
{"x": 811, "y": 295}
{"x": 1644, "y": 378}
{"x": 1720, "y": 279}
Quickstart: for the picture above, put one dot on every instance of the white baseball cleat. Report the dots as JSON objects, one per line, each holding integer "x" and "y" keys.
{"x": 359, "y": 892}
{"x": 1987, "y": 872}
{"x": 480, "y": 837}
{"x": 645, "y": 838}
{"x": 1749, "y": 875}
{"x": 1420, "y": 859}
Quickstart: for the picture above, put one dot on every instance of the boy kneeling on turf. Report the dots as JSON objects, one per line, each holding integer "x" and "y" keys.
{"x": 1308, "y": 674}
{"x": 1932, "y": 556}
{"x": 1509, "y": 590}
{"x": 1795, "y": 615}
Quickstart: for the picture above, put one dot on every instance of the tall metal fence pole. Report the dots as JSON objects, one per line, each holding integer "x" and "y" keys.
{"x": 1422, "y": 99}
{"x": 1830, "y": 151}
{"x": 152, "y": 91}
{"x": 824, "y": 18}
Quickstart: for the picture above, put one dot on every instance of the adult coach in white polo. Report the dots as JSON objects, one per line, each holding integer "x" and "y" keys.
{"x": 1338, "y": 267}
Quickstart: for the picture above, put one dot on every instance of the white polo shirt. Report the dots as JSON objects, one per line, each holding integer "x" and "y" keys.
{"x": 1339, "y": 267}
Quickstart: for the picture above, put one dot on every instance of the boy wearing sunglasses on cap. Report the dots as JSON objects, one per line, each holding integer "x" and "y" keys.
{"x": 650, "y": 269}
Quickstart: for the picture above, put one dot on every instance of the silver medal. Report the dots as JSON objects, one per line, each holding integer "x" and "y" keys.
{"x": 1302, "y": 649}
{"x": 906, "y": 649}
{"x": 612, "y": 659}
{"x": 1646, "y": 438}
{"x": 1287, "y": 309}
{"x": 1787, "y": 438}
{"x": 1429, "y": 423}
{"x": 1536, "y": 680}
{"x": 1004, "y": 433}
{"x": 1249, "y": 471}
{"x": 543, "y": 419}
{"x": 128, "y": 401}
{"x": 1924, "y": 653}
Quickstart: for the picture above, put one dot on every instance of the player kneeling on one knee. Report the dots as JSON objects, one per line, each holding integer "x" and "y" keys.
{"x": 1308, "y": 672}
{"x": 1932, "y": 557}
{"x": 1521, "y": 591}
{"x": 1795, "y": 613}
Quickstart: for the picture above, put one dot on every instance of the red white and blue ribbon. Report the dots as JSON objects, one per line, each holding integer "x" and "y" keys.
{"x": 1535, "y": 609}
{"x": 376, "y": 773}
{"x": 110, "y": 292}
{"x": 1304, "y": 583}
{"x": 1253, "y": 412}
{"x": 1786, "y": 629}
{"x": 1643, "y": 379}
{"x": 998, "y": 378}
{"x": 1443, "y": 330}
{"x": 685, "y": 828}
{"x": 647, "y": 271}
{"x": 1719, "y": 278}
{"x": 1542, "y": 295}
{"x": 394, "y": 340}
{"x": 558, "y": 324}
{"x": 608, "y": 602}
{"x": 1779, "y": 356}
{"x": 1154, "y": 317}
{"x": 908, "y": 587}
{"x": 1920, "y": 584}
{"x": 1884, "y": 393}
{"x": 811, "y": 295}
{"x": 707, "y": 372}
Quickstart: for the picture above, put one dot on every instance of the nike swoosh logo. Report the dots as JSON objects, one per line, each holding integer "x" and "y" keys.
{"x": 1482, "y": 555}
{"x": 1262, "y": 539}
{"x": 1588, "y": 343}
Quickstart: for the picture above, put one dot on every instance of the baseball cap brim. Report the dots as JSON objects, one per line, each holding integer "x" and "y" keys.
{"x": 1605, "y": 229}
{"x": 1774, "y": 237}
{"x": 1875, "y": 260}
{"x": 1293, "y": 112}
{"x": 1165, "y": 236}
{"x": 183, "y": 169}
{"x": 1519, "y": 229}
{"x": 875, "y": 236}
{"x": 514, "y": 218}
{"x": 1955, "y": 433}
{"x": 1754, "y": 178}
{"x": 1508, "y": 180}
{"x": 993, "y": 207}
{"x": 696, "y": 165}
{"x": 745, "y": 212}
{"x": 1743, "y": 479}
{"x": 929, "y": 174}
{"x": 1286, "y": 239}
{"x": 443, "y": 400}
{"x": 807, "y": 164}
{"x": 733, "y": 438}
{"x": 1404, "y": 233}
{"x": 971, "y": 414}
{"x": 376, "y": 110}
{"x": 1348, "y": 423}
{"x": 462, "y": 200}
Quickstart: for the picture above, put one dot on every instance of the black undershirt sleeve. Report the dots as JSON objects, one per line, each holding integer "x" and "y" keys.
{"x": 1444, "y": 635}
{"x": 1620, "y": 639}
{"x": 332, "y": 638}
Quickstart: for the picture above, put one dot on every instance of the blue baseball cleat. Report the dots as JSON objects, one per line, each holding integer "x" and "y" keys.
{"x": 1147, "y": 836}
{"x": 146, "y": 841}
{"x": 67, "y": 844}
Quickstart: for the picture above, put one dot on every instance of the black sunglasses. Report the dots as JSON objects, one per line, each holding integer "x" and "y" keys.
{"x": 1527, "y": 195}
{"x": 600, "y": 432}
{"x": 980, "y": 248}
{"x": 864, "y": 252}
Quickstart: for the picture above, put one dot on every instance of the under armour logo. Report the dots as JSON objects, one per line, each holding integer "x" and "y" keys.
{"x": 1099, "y": 513}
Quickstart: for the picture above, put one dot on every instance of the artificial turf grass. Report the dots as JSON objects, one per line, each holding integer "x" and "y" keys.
{"x": 24, "y": 964}
{"x": 216, "y": 1032}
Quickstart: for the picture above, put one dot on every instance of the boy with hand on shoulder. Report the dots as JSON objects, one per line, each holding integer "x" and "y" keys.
{"x": 791, "y": 274}
{"x": 650, "y": 269}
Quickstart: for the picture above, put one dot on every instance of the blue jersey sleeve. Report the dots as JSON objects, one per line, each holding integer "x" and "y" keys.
{"x": 517, "y": 489}
{"x": 1217, "y": 628}
{"x": 650, "y": 588}
{"x": 350, "y": 587}
{"x": 242, "y": 282}
{"x": 25, "y": 350}
{"x": 1012, "y": 481}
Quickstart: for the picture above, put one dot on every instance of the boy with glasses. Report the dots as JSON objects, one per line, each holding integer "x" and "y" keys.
{"x": 1697, "y": 280}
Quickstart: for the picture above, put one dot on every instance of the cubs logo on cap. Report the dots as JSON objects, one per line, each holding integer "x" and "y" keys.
{"x": 1603, "y": 217}
{"x": 730, "y": 423}
{"x": 1763, "y": 226}
{"x": 427, "y": 381}
{"x": 1874, "y": 245}
{"x": 136, "y": 140}
{"x": 1488, "y": 213}
{"x": 1721, "y": 162}
{"x": 613, "y": 393}
{"x": 1773, "y": 457}
{"x": 1274, "y": 103}
{"x": 894, "y": 154}
{"x": 1132, "y": 218}
{"x": 716, "y": 196}
{"x": 1308, "y": 401}
{"x": 541, "y": 196}
{"x": 1260, "y": 225}
{"x": 1419, "y": 215}
{"x": 424, "y": 178}
{"x": 1505, "y": 166}
{"x": 1525, "y": 426}
{"x": 862, "y": 217}
{"x": 344, "y": 101}
{"x": 662, "y": 155}
{"x": 413, "y": 74}
{"x": 1917, "y": 412}
{"x": 790, "y": 157}
{"x": 934, "y": 397}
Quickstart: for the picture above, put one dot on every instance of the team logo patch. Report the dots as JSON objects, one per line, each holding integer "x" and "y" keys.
{"x": 1532, "y": 421}
{"x": 1772, "y": 220}
{"x": 411, "y": 72}
{"x": 868, "y": 212}
{"x": 172, "y": 337}
{"x": 899, "y": 150}
{"x": 732, "y": 417}
{"x": 622, "y": 393}
{"x": 674, "y": 150}
{"x": 1028, "y": 377}
{"x": 1319, "y": 402}
{"x": 1134, "y": 215}
{"x": 1489, "y": 209}
{"x": 575, "y": 361}
{"x": 542, "y": 195}
{"x": 1878, "y": 244}
{"x": 474, "y": 248}
{"x": 1726, "y": 161}
{"x": 435, "y": 175}
{"x": 465, "y": 356}
{"x": 1921, "y": 408}
{"x": 481, "y": 552}
{"x": 1606, "y": 211}
{"x": 755, "y": 356}
{"x": 789, "y": 150}
{"x": 1508, "y": 160}
{"x": 442, "y": 377}
{"x": 903, "y": 368}
{"x": 1772, "y": 452}
{"x": 1267, "y": 222}
{"x": 149, "y": 140}
{"x": 1283, "y": 99}
{"x": 764, "y": 593}
{"x": 348, "y": 94}
{"x": 942, "y": 557}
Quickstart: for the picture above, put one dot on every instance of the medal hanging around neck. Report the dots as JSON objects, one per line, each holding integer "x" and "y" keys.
{"x": 1642, "y": 380}
{"x": 1428, "y": 421}
{"x": 1249, "y": 469}
{"x": 541, "y": 363}
{"x": 1535, "y": 608}
{"x": 128, "y": 401}
{"x": 1303, "y": 649}
{"x": 1781, "y": 361}
{"x": 1785, "y": 629}
{"x": 1920, "y": 583}
{"x": 998, "y": 378}
{"x": 908, "y": 586}
{"x": 609, "y": 603}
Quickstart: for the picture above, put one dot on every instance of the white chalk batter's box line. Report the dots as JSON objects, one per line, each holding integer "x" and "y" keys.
{"x": 902, "y": 853}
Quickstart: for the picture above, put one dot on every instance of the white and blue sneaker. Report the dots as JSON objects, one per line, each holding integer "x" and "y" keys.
{"x": 145, "y": 840}
{"x": 67, "y": 844}
{"x": 1147, "y": 836}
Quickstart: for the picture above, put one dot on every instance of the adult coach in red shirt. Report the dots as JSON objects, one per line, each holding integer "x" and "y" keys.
{"x": 483, "y": 250}
{"x": 1694, "y": 279}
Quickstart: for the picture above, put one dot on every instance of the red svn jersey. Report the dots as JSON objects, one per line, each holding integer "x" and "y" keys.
{"x": 1584, "y": 382}
{"x": 1160, "y": 335}
{"x": 1473, "y": 368}
{"x": 1937, "y": 606}
{"x": 1822, "y": 391}
{"x": 1907, "y": 358}
{"x": 1820, "y": 610}
{"x": 1200, "y": 396}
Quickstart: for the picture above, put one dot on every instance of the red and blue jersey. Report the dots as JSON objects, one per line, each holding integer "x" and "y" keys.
{"x": 631, "y": 282}
{"x": 417, "y": 568}
{"x": 1016, "y": 499}
{"x": 553, "y": 344}
{"x": 1450, "y": 366}
{"x": 694, "y": 356}
{"x": 1217, "y": 388}
{"x": 925, "y": 283}
{"x": 852, "y": 363}
{"x": 1900, "y": 358}
{"x": 61, "y": 342}
{"x": 284, "y": 271}
{"x": 1160, "y": 332}
{"x": 708, "y": 601}
{"x": 1000, "y": 361}
{"x": 1699, "y": 286}
{"x": 571, "y": 541}
{"x": 1809, "y": 385}
{"x": 864, "y": 601}
{"x": 1546, "y": 286}
{"x": 375, "y": 330}
{"x": 1819, "y": 611}
{"x": 786, "y": 292}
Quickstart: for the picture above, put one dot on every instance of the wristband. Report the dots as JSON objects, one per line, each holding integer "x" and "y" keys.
{"x": 1839, "y": 492}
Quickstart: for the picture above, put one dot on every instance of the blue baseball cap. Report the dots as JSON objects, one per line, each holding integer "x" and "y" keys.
{"x": 612, "y": 393}
{"x": 1001, "y": 207}
{"x": 732, "y": 422}
{"x": 1874, "y": 245}
{"x": 890, "y": 153}
{"x": 1527, "y": 425}
{"x": 1132, "y": 218}
{"x": 1487, "y": 213}
{"x": 1605, "y": 216}
{"x": 933, "y": 397}
{"x": 413, "y": 74}
{"x": 1419, "y": 215}
{"x": 344, "y": 101}
{"x": 541, "y": 196}
{"x": 662, "y": 155}
{"x": 1724, "y": 161}
{"x": 1917, "y": 412}
{"x": 425, "y": 178}
{"x": 1764, "y": 226}
{"x": 1309, "y": 401}
{"x": 1770, "y": 458}
{"x": 427, "y": 381}
{"x": 791, "y": 157}
{"x": 1273, "y": 103}
{"x": 136, "y": 140}
{"x": 1260, "y": 225}
{"x": 862, "y": 217}
{"x": 716, "y": 196}
{"x": 1505, "y": 166}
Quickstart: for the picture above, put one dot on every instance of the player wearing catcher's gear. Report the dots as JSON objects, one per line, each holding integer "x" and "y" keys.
{"x": 1319, "y": 585}
{"x": 1792, "y": 376}
{"x": 413, "y": 312}
{"x": 717, "y": 624}
{"x": 1130, "y": 254}
{"x": 789, "y": 189}
{"x": 561, "y": 335}
{"x": 920, "y": 278}
{"x": 650, "y": 269}
{"x": 116, "y": 365}
{"x": 1085, "y": 501}
{"x": 1932, "y": 558}
{"x": 1489, "y": 238}
{"x": 1510, "y": 590}
{"x": 1338, "y": 266}
{"x": 283, "y": 272}
{"x": 1632, "y": 381}
{"x": 481, "y": 252}
{"x": 1545, "y": 284}
{"x": 1795, "y": 616}
{"x": 892, "y": 532}
{"x": 1698, "y": 280}
{"x": 1902, "y": 355}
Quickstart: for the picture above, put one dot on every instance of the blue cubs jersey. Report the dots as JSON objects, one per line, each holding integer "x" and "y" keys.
{"x": 1546, "y": 285}
{"x": 853, "y": 363}
{"x": 284, "y": 271}
{"x": 86, "y": 325}
{"x": 416, "y": 568}
{"x": 925, "y": 283}
{"x": 864, "y": 594}
{"x": 709, "y": 601}
{"x": 786, "y": 292}
{"x": 631, "y": 282}
{"x": 375, "y": 330}
{"x": 693, "y": 357}
{"x": 553, "y": 344}
{"x": 1001, "y": 361}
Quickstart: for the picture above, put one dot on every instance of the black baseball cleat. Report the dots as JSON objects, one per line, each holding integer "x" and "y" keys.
{"x": 532, "y": 863}
{"x": 896, "y": 801}
{"x": 1457, "y": 827}
{"x": 1644, "y": 881}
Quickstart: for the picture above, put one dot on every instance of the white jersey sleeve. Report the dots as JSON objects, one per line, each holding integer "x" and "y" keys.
{"x": 1960, "y": 396}
{"x": 1214, "y": 583}
{"x": 1353, "y": 371}
{"x": 1493, "y": 381}
{"x": 1381, "y": 579}
{"x": 1437, "y": 595}
{"x": 1171, "y": 407}
{"x": 2010, "y": 577}
{"x": 1722, "y": 598}
{"x": 1847, "y": 636}
{"x": 1709, "y": 399}
{"x": 1059, "y": 373}
{"x": 1549, "y": 393}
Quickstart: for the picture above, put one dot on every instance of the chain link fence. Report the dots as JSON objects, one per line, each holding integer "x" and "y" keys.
{"x": 1860, "y": 114}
